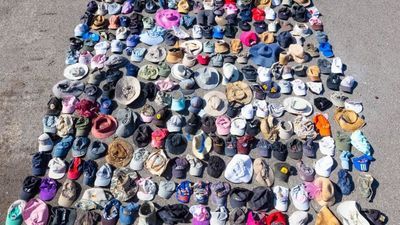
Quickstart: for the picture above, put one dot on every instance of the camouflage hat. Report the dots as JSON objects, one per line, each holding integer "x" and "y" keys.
{"x": 123, "y": 184}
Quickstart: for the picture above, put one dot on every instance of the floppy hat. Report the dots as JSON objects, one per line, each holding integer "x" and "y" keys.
{"x": 348, "y": 120}
{"x": 216, "y": 103}
{"x": 264, "y": 54}
{"x": 297, "y": 53}
{"x": 298, "y": 106}
{"x": 76, "y": 71}
{"x": 239, "y": 91}
{"x": 104, "y": 126}
{"x": 239, "y": 169}
{"x": 207, "y": 78}
{"x": 349, "y": 211}
{"x": 192, "y": 47}
{"x": 127, "y": 90}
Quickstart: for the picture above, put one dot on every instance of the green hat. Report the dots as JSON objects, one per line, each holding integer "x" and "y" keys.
{"x": 14, "y": 215}
{"x": 164, "y": 70}
{"x": 82, "y": 126}
{"x": 342, "y": 141}
{"x": 148, "y": 22}
{"x": 149, "y": 72}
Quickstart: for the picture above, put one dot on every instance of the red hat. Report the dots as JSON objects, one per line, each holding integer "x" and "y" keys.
{"x": 230, "y": 1}
{"x": 203, "y": 59}
{"x": 275, "y": 218}
{"x": 244, "y": 144}
{"x": 87, "y": 108}
{"x": 75, "y": 168}
{"x": 158, "y": 137}
{"x": 104, "y": 126}
{"x": 258, "y": 14}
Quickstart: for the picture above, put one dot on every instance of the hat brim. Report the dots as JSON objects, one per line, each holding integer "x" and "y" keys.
{"x": 213, "y": 112}
{"x": 56, "y": 175}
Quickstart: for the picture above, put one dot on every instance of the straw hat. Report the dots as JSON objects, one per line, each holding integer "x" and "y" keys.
{"x": 216, "y": 103}
{"x": 239, "y": 91}
{"x": 127, "y": 90}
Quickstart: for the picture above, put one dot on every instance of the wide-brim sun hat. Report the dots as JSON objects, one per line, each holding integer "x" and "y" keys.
{"x": 167, "y": 18}
{"x": 298, "y": 106}
{"x": 264, "y": 54}
{"x": 216, "y": 103}
{"x": 68, "y": 87}
{"x": 127, "y": 90}
{"x": 155, "y": 54}
{"x": 239, "y": 91}
{"x": 207, "y": 78}
{"x": 76, "y": 71}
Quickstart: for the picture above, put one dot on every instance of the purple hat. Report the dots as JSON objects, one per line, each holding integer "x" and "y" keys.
{"x": 167, "y": 18}
{"x": 219, "y": 192}
{"x": 48, "y": 189}
{"x": 180, "y": 167}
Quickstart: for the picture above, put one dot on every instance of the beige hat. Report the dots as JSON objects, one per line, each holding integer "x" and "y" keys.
{"x": 236, "y": 46}
{"x": 119, "y": 153}
{"x": 157, "y": 162}
{"x": 269, "y": 128}
{"x": 68, "y": 193}
{"x": 297, "y": 52}
{"x": 221, "y": 21}
{"x": 239, "y": 91}
{"x": 193, "y": 47}
{"x": 174, "y": 55}
{"x": 326, "y": 197}
{"x": 216, "y": 103}
{"x": 264, "y": 174}
{"x": 221, "y": 47}
{"x": 127, "y": 90}
{"x": 156, "y": 54}
{"x": 267, "y": 37}
{"x": 201, "y": 145}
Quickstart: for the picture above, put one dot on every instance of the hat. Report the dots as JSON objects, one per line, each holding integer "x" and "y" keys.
{"x": 175, "y": 123}
{"x": 119, "y": 153}
{"x": 40, "y": 162}
{"x": 192, "y": 47}
{"x": 315, "y": 87}
{"x": 298, "y": 106}
{"x": 282, "y": 171}
{"x": 322, "y": 103}
{"x": 68, "y": 87}
{"x": 262, "y": 108}
{"x": 80, "y": 146}
{"x": 325, "y": 216}
{"x": 219, "y": 192}
{"x": 230, "y": 73}
{"x": 158, "y": 137}
{"x": 123, "y": 184}
{"x": 295, "y": 149}
{"x": 297, "y": 53}
{"x": 193, "y": 124}
{"x": 264, "y": 54}
{"x": 45, "y": 143}
{"x": 219, "y": 216}
{"x": 207, "y": 78}
{"x": 208, "y": 47}
{"x": 324, "y": 166}
{"x": 216, "y": 166}
{"x": 166, "y": 189}
{"x": 196, "y": 104}
{"x": 217, "y": 60}
{"x": 104, "y": 126}
{"x": 247, "y": 112}
{"x": 147, "y": 113}
{"x": 96, "y": 150}
{"x": 200, "y": 214}
{"x": 238, "y": 126}
{"x": 263, "y": 172}
{"x": 48, "y": 189}
{"x": 142, "y": 135}
{"x": 238, "y": 197}
{"x": 249, "y": 38}
{"x": 181, "y": 72}
{"x": 196, "y": 166}
{"x": 156, "y": 54}
{"x": 35, "y": 212}
{"x": 221, "y": 47}
{"x": 285, "y": 39}
{"x": 57, "y": 168}
{"x": 347, "y": 84}
{"x": 157, "y": 162}
{"x": 54, "y": 106}
{"x": 239, "y": 91}
{"x": 326, "y": 194}
{"x": 262, "y": 199}
{"x": 179, "y": 167}
{"x": 147, "y": 189}
{"x": 239, "y": 169}
{"x": 348, "y": 120}
{"x": 127, "y": 90}
{"x": 175, "y": 143}
{"x": 223, "y": 124}
{"x": 68, "y": 194}
{"x": 216, "y": 103}
{"x": 201, "y": 145}
{"x": 76, "y": 71}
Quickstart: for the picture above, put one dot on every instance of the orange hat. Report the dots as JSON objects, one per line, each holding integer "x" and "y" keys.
{"x": 236, "y": 46}
{"x": 267, "y": 37}
{"x": 326, "y": 217}
{"x": 313, "y": 73}
{"x": 114, "y": 22}
{"x": 322, "y": 124}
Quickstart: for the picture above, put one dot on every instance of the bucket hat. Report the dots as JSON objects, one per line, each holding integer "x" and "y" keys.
{"x": 239, "y": 91}
{"x": 119, "y": 153}
{"x": 263, "y": 54}
{"x": 156, "y": 54}
{"x": 124, "y": 184}
{"x": 127, "y": 90}
{"x": 216, "y": 103}
{"x": 104, "y": 126}
{"x": 76, "y": 71}
{"x": 239, "y": 169}
{"x": 181, "y": 72}
{"x": 207, "y": 78}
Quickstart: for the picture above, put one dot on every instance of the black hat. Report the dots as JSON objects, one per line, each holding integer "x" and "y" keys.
{"x": 259, "y": 92}
{"x": 262, "y": 199}
{"x": 91, "y": 7}
{"x": 279, "y": 151}
{"x": 66, "y": 215}
{"x": 142, "y": 136}
{"x": 170, "y": 39}
{"x": 179, "y": 167}
{"x": 75, "y": 43}
{"x": 322, "y": 103}
{"x": 300, "y": 13}
{"x": 175, "y": 143}
{"x": 30, "y": 187}
{"x": 207, "y": 32}
{"x": 285, "y": 39}
{"x": 174, "y": 214}
{"x": 324, "y": 66}
{"x": 218, "y": 144}
{"x": 216, "y": 166}
{"x": 208, "y": 124}
{"x": 231, "y": 19}
{"x": 40, "y": 160}
{"x": 250, "y": 73}
{"x": 239, "y": 197}
{"x": 284, "y": 13}
{"x": 253, "y": 127}
{"x": 150, "y": 90}
{"x": 295, "y": 149}
{"x": 138, "y": 6}
{"x": 230, "y": 31}
{"x": 54, "y": 106}
{"x": 333, "y": 81}
{"x": 160, "y": 118}
{"x": 230, "y": 59}
{"x": 260, "y": 27}
{"x": 282, "y": 171}
{"x": 233, "y": 109}
{"x": 193, "y": 124}
{"x": 244, "y": 26}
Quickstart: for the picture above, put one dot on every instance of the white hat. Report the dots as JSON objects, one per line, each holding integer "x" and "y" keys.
{"x": 337, "y": 65}
{"x": 197, "y": 32}
{"x": 347, "y": 84}
{"x": 238, "y": 126}
{"x": 117, "y": 46}
{"x": 276, "y": 2}
{"x": 301, "y": 30}
{"x": 207, "y": 77}
{"x": 216, "y": 103}
{"x": 285, "y": 129}
{"x": 298, "y": 218}
{"x": 281, "y": 198}
{"x": 247, "y": 112}
{"x": 269, "y": 14}
{"x": 327, "y": 146}
{"x": 298, "y": 106}
{"x": 193, "y": 47}
{"x": 101, "y": 47}
{"x": 350, "y": 211}
{"x": 239, "y": 169}
{"x": 264, "y": 74}
{"x": 147, "y": 190}
{"x": 45, "y": 143}
{"x": 122, "y": 33}
{"x": 230, "y": 73}
{"x": 300, "y": 197}
{"x": 219, "y": 216}
{"x": 299, "y": 87}
{"x": 57, "y": 168}
{"x": 175, "y": 123}
{"x": 324, "y": 166}
{"x": 76, "y": 71}
{"x": 356, "y": 106}
{"x": 315, "y": 87}
{"x": 262, "y": 108}
{"x": 273, "y": 27}
{"x": 285, "y": 86}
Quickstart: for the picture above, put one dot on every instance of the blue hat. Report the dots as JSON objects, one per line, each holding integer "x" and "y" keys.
{"x": 80, "y": 146}
{"x": 178, "y": 102}
{"x": 187, "y": 21}
{"x": 218, "y": 32}
{"x": 114, "y": 8}
{"x": 326, "y": 49}
{"x": 61, "y": 149}
{"x": 245, "y": 15}
{"x": 138, "y": 54}
{"x": 264, "y": 54}
{"x": 151, "y": 38}
{"x": 196, "y": 104}
{"x": 124, "y": 21}
{"x": 39, "y": 163}
{"x": 105, "y": 106}
{"x": 132, "y": 40}
{"x": 89, "y": 172}
{"x": 285, "y": 38}
{"x": 80, "y": 30}
{"x": 362, "y": 163}
{"x": 127, "y": 213}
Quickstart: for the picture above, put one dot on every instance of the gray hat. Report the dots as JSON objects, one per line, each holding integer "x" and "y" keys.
{"x": 114, "y": 8}
{"x": 166, "y": 189}
{"x": 96, "y": 77}
{"x": 298, "y": 218}
{"x": 208, "y": 47}
{"x": 156, "y": 54}
{"x": 139, "y": 157}
{"x": 207, "y": 78}
{"x": 187, "y": 86}
{"x": 285, "y": 86}
{"x": 175, "y": 123}
{"x": 217, "y": 60}
{"x": 80, "y": 146}
{"x": 127, "y": 121}
{"x": 196, "y": 166}
{"x": 68, "y": 87}
{"x": 219, "y": 216}
{"x": 219, "y": 192}
{"x": 49, "y": 124}
{"x": 96, "y": 150}
{"x": 116, "y": 61}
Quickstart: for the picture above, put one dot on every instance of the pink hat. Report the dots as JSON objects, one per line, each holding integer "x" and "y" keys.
{"x": 165, "y": 85}
{"x": 104, "y": 126}
{"x": 68, "y": 104}
{"x": 200, "y": 214}
{"x": 248, "y": 38}
{"x": 167, "y": 18}
{"x": 230, "y": 9}
{"x": 223, "y": 124}
{"x": 35, "y": 212}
